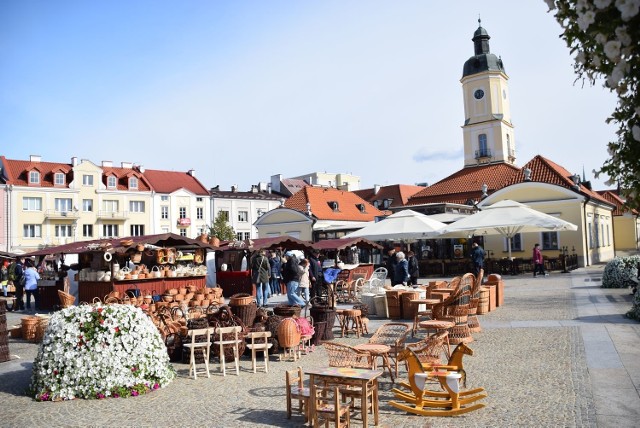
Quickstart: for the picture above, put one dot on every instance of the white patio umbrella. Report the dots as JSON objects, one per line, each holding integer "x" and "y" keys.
{"x": 401, "y": 226}
{"x": 506, "y": 218}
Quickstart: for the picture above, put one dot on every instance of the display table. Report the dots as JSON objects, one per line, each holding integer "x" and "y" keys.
{"x": 48, "y": 294}
{"x": 89, "y": 290}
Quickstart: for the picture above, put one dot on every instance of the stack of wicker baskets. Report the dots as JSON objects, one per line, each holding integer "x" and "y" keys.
{"x": 29, "y": 325}
{"x": 66, "y": 299}
{"x": 4, "y": 333}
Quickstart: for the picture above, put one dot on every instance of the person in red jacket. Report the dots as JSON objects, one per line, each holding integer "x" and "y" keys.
{"x": 538, "y": 261}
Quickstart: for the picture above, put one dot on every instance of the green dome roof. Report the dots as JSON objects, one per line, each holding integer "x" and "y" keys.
{"x": 483, "y": 60}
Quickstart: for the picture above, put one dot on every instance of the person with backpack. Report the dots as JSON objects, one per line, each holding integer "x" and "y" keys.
{"x": 17, "y": 279}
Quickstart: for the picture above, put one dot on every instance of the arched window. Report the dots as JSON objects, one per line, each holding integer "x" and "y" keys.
{"x": 482, "y": 145}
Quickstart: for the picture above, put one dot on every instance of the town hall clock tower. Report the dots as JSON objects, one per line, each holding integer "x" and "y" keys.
{"x": 488, "y": 131}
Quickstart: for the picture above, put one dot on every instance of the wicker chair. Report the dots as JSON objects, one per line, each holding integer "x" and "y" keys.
{"x": 432, "y": 349}
{"x": 393, "y": 335}
{"x": 341, "y": 355}
{"x": 472, "y": 320}
{"x": 455, "y": 308}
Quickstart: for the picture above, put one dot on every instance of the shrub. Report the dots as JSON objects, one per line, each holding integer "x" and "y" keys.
{"x": 620, "y": 271}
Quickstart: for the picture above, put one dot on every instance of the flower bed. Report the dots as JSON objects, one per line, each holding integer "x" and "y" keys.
{"x": 94, "y": 351}
{"x": 619, "y": 272}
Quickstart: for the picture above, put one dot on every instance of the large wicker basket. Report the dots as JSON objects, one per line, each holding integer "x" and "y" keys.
{"x": 29, "y": 325}
{"x": 247, "y": 313}
{"x": 287, "y": 310}
{"x": 240, "y": 299}
{"x": 288, "y": 333}
{"x": 66, "y": 299}
{"x": 41, "y": 327}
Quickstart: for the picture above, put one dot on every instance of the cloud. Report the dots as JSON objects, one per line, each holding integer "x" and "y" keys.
{"x": 424, "y": 155}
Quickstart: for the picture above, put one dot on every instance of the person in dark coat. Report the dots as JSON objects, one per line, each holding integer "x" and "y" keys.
{"x": 402, "y": 270}
{"x": 477, "y": 257}
{"x": 414, "y": 270}
{"x": 315, "y": 273}
{"x": 391, "y": 263}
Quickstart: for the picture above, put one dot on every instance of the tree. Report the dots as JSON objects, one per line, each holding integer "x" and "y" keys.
{"x": 604, "y": 35}
{"x": 221, "y": 228}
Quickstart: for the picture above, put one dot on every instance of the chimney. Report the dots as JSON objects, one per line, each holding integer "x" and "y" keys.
{"x": 376, "y": 189}
{"x": 254, "y": 188}
{"x": 107, "y": 164}
{"x": 275, "y": 182}
{"x": 234, "y": 188}
{"x": 268, "y": 187}
{"x": 35, "y": 158}
{"x": 126, "y": 165}
{"x": 192, "y": 172}
{"x": 141, "y": 169}
{"x": 74, "y": 161}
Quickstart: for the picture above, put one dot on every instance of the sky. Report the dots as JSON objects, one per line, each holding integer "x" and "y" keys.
{"x": 243, "y": 90}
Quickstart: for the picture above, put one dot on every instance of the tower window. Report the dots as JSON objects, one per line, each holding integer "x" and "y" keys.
{"x": 483, "y": 151}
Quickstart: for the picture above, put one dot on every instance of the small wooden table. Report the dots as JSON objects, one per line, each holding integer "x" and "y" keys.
{"x": 377, "y": 350}
{"x": 430, "y": 303}
{"x": 438, "y": 326}
{"x": 367, "y": 380}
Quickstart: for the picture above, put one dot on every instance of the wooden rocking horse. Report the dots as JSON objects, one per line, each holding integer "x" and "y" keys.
{"x": 449, "y": 402}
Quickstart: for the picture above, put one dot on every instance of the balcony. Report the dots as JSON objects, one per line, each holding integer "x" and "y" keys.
{"x": 61, "y": 215}
{"x": 113, "y": 215}
{"x": 482, "y": 154}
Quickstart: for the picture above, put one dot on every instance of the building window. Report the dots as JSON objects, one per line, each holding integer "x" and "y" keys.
{"x": 608, "y": 237}
{"x": 596, "y": 234}
{"x": 63, "y": 205}
{"x": 136, "y": 206}
{"x": 58, "y": 179}
{"x": 87, "y": 230}
{"x": 164, "y": 212}
{"x": 34, "y": 177}
{"x": 224, "y": 215}
{"x": 198, "y": 199}
{"x": 87, "y": 180}
{"x": 239, "y": 236}
{"x": 247, "y": 235}
{"x": 589, "y": 229}
{"x": 133, "y": 183}
{"x": 550, "y": 240}
{"x": 111, "y": 182}
{"x": 182, "y": 212}
{"x": 243, "y": 216}
{"x": 87, "y": 205}
{"x": 137, "y": 230}
{"x": 199, "y": 213}
{"x": 482, "y": 145}
{"x": 164, "y": 198}
{"x": 32, "y": 231}
{"x": 109, "y": 230}
{"x": 165, "y": 230}
{"x": 183, "y": 231}
{"x": 516, "y": 243}
{"x": 110, "y": 206}
{"x": 31, "y": 204}
{"x": 62, "y": 230}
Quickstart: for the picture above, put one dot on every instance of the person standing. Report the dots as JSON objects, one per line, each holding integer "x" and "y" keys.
{"x": 16, "y": 272}
{"x": 538, "y": 261}
{"x": 305, "y": 281}
{"x": 31, "y": 277}
{"x": 4, "y": 277}
{"x": 315, "y": 273}
{"x": 291, "y": 274}
{"x": 477, "y": 257}
{"x": 260, "y": 274}
{"x": 391, "y": 264}
{"x": 276, "y": 266}
{"x": 414, "y": 270}
{"x": 402, "y": 270}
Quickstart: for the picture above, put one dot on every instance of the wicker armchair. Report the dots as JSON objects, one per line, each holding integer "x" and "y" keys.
{"x": 341, "y": 355}
{"x": 392, "y": 334}
{"x": 455, "y": 308}
{"x": 432, "y": 349}
{"x": 474, "y": 323}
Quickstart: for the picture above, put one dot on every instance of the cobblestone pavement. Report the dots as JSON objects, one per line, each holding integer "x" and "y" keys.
{"x": 531, "y": 358}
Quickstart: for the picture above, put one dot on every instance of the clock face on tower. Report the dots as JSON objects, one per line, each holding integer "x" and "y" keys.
{"x": 478, "y": 94}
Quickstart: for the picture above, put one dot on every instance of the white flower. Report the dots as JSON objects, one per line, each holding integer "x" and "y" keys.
{"x": 580, "y": 57}
{"x": 601, "y": 38}
{"x": 628, "y": 8}
{"x": 635, "y": 131}
{"x": 596, "y": 61}
{"x": 612, "y": 50}
{"x": 623, "y": 36}
{"x": 601, "y": 4}
{"x": 586, "y": 19}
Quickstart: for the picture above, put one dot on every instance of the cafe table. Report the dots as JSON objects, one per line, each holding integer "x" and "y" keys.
{"x": 366, "y": 380}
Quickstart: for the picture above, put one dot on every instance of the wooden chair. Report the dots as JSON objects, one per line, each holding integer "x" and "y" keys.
{"x": 193, "y": 345}
{"x": 394, "y": 335}
{"x": 341, "y": 355}
{"x": 474, "y": 300}
{"x": 259, "y": 343}
{"x": 455, "y": 308}
{"x": 328, "y": 407}
{"x": 234, "y": 343}
{"x": 297, "y": 391}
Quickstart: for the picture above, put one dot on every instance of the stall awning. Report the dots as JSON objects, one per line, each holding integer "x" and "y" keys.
{"x": 285, "y": 242}
{"x": 341, "y": 244}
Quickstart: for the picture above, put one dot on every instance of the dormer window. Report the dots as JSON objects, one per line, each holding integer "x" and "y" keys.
{"x": 111, "y": 182}
{"x": 386, "y": 203}
{"x": 360, "y": 207}
{"x": 34, "y": 177}
{"x": 333, "y": 205}
{"x": 376, "y": 203}
{"x": 133, "y": 182}
{"x": 58, "y": 179}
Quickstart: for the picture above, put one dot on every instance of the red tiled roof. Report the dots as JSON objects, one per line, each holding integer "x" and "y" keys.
{"x": 544, "y": 170}
{"x": 320, "y": 197}
{"x": 398, "y": 193}
{"x": 614, "y": 198}
{"x": 294, "y": 185}
{"x": 466, "y": 184}
{"x": 17, "y": 172}
{"x": 170, "y": 181}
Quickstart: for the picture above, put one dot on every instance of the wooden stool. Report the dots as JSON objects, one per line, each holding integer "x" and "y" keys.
{"x": 353, "y": 317}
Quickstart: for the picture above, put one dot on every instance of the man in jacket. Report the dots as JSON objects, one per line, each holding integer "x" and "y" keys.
{"x": 260, "y": 274}
{"x": 291, "y": 274}
{"x": 315, "y": 273}
{"x": 477, "y": 257}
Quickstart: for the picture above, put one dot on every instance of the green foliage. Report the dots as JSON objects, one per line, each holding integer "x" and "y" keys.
{"x": 604, "y": 36}
{"x": 221, "y": 228}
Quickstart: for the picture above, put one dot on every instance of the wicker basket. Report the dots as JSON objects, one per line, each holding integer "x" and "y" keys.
{"x": 43, "y": 323}
{"x": 288, "y": 333}
{"x": 29, "y": 325}
{"x": 66, "y": 299}
{"x": 247, "y": 313}
{"x": 287, "y": 311}
{"x": 240, "y": 299}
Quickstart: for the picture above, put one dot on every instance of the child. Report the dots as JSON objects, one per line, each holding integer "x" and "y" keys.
{"x": 305, "y": 281}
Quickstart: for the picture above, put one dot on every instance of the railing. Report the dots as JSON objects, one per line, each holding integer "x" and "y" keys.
{"x": 486, "y": 153}
{"x": 61, "y": 214}
{"x": 116, "y": 215}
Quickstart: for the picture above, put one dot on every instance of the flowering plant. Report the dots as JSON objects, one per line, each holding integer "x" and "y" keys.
{"x": 95, "y": 351}
{"x": 619, "y": 272}
{"x": 604, "y": 35}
